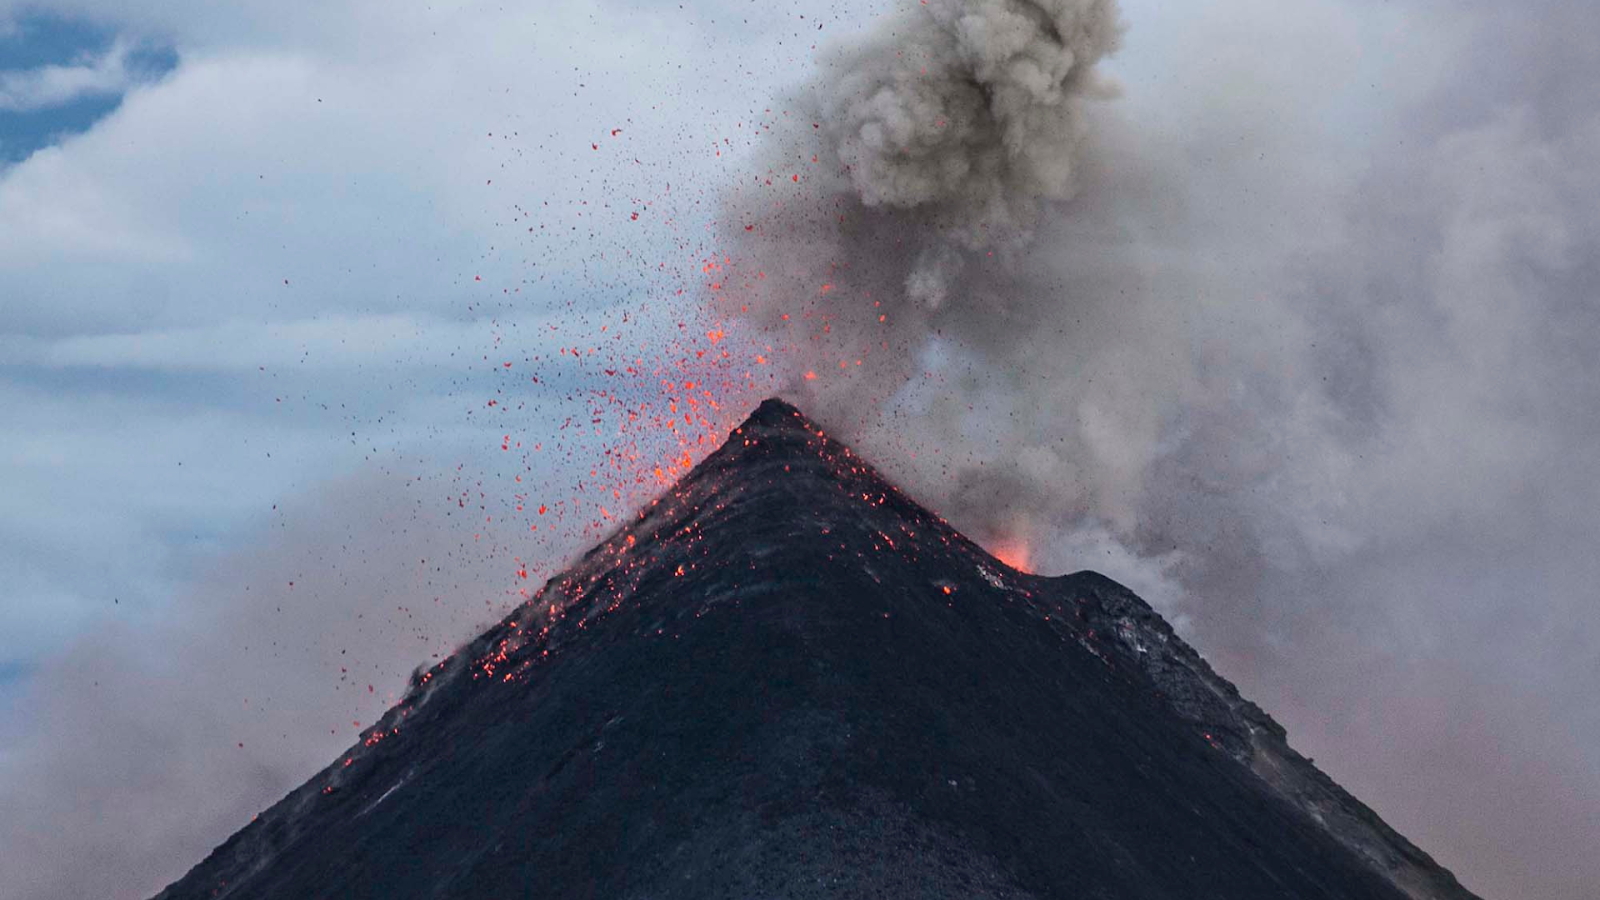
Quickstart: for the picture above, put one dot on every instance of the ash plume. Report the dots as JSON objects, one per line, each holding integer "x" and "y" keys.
{"x": 928, "y": 146}
{"x": 889, "y": 229}
{"x": 969, "y": 112}
{"x": 1296, "y": 334}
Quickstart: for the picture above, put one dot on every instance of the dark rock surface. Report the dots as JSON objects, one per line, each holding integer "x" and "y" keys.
{"x": 786, "y": 679}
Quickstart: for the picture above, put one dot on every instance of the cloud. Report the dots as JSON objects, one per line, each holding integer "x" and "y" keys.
{"x": 44, "y": 87}
{"x": 334, "y": 341}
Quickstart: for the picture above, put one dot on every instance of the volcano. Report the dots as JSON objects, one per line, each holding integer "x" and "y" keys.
{"x": 785, "y": 678}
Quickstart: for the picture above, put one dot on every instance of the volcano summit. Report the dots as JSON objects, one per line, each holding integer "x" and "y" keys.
{"x": 786, "y": 679}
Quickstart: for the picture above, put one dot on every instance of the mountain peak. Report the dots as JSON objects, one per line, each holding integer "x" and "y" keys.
{"x": 774, "y": 411}
{"x": 785, "y": 678}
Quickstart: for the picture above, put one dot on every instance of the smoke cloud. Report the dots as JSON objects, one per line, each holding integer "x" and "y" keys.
{"x": 923, "y": 149}
{"x": 1296, "y": 336}
{"x": 970, "y": 115}
{"x": 888, "y": 246}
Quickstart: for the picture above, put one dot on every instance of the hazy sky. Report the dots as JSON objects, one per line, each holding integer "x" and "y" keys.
{"x": 263, "y": 266}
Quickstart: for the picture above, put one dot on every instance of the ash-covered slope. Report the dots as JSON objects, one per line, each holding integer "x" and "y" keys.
{"x": 786, "y": 679}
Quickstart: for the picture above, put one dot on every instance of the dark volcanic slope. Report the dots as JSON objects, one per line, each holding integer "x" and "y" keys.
{"x": 786, "y": 679}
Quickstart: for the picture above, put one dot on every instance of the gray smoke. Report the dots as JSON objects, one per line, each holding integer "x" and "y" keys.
{"x": 889, "y": 229}
{"x": 1298, "y": 337}
{"x": 922, "y": 152}
{"x": 968, "y": 111}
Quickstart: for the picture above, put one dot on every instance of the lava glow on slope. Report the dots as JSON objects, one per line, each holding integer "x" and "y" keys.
{"x": 1014, "y": 553}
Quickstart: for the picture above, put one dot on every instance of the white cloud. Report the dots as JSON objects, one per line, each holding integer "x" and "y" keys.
{"x": 371, "y": 197}
{"x": 45, "y": 87}
{"x": 337, "y": 341}
{"x": 383, "y": 163}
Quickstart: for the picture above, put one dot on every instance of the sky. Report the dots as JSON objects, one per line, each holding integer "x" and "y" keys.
{"x": 287, "y": 295}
